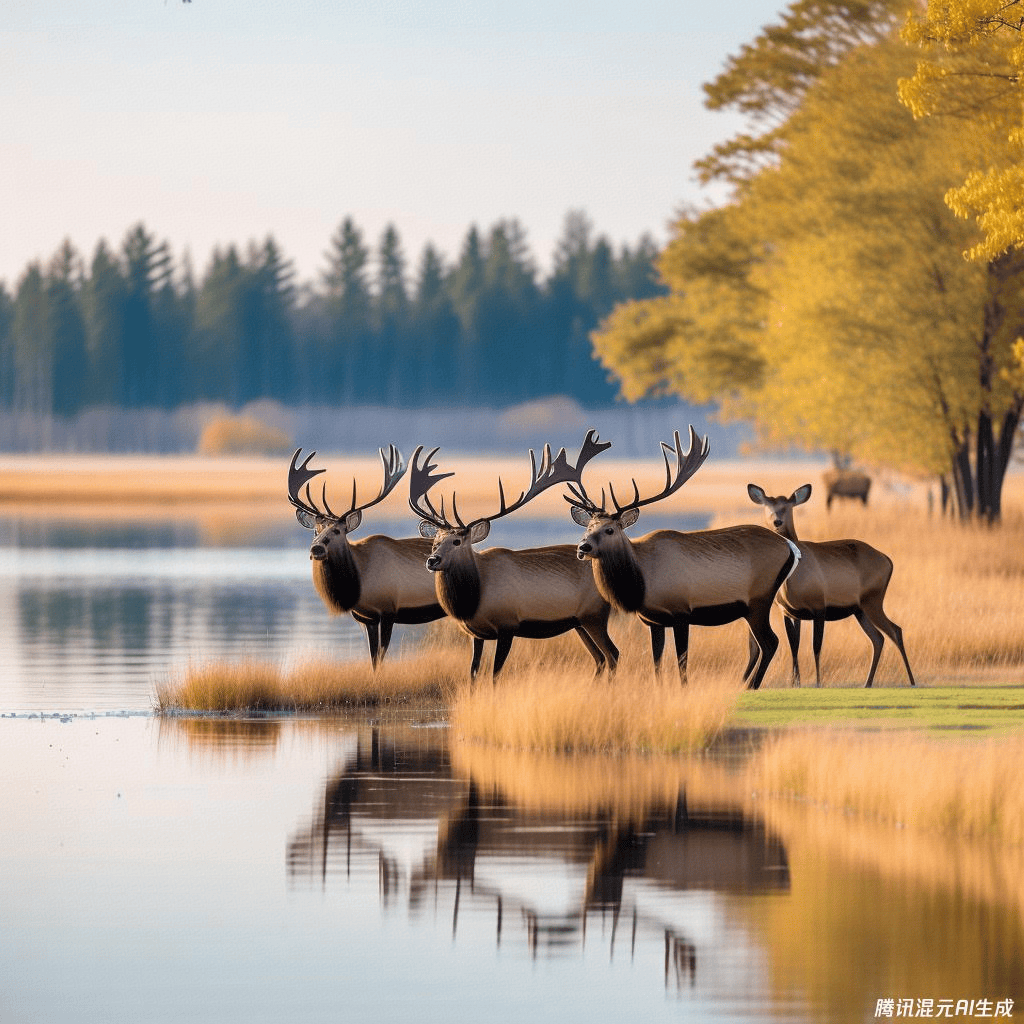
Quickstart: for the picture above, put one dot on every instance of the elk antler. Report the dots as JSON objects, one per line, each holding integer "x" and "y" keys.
{"x": 686, "y": 465}
{"x": 299, "y": 477}
{"x": 550, "y": 472}
{"x": 421, "y": 479}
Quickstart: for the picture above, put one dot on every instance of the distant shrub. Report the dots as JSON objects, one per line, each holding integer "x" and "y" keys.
{"x": 243, "y": 435}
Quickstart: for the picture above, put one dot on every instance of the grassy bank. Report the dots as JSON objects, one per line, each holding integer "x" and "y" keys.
{"x": 977, "y": 709}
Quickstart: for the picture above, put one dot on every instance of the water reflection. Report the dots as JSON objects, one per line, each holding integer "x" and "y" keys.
{"x": 639, "y": 874}
{"x": 799, "y": 913}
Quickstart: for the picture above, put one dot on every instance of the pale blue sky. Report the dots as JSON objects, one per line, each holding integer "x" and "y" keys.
{"x": 219, "y": 121}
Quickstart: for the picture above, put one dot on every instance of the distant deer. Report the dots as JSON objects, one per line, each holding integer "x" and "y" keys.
{"x": 669, "y": 578}
{"x": 846, "y": 483}
{"x": 499, "y": 594}
{"x": 379, "y": 580}
{"x": 834, "y": 579}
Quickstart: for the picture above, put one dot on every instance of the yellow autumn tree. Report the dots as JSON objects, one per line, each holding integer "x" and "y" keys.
{"x": 829, "y": 301}
{"x": 970, "y": 68}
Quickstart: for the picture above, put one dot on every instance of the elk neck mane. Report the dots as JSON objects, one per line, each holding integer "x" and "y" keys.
{"x": 458, "y": 589}
{"x": 336, "y": 578}
{"x": 619, "y": 577}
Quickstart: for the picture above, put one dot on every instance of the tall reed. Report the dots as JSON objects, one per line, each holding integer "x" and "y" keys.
{"x": 570, "y": 710}
{"x": 314, "y": 685}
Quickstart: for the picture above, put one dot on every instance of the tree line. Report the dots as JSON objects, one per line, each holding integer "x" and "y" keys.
{"x": 829, "y": 300}
{"x": 132, "y": 327}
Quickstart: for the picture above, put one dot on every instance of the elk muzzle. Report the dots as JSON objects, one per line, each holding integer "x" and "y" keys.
{"x": 433, "y": 563}
{"x": 318, "y": 552}
{"x": 584, "y": 550}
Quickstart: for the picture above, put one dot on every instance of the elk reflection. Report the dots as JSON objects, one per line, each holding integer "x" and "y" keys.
{"x": 437, "y": 832}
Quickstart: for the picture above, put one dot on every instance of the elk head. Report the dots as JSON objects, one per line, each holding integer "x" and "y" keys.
{"x": 779, "y": 510}
{"x": 329, "y": 525}
{"x": 450, "y": 533}
{"x": 605, "y": 526}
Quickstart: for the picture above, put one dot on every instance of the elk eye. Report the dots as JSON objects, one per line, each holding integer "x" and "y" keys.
{"x": 456, "y": 542}
{"x": 608, "y": 530}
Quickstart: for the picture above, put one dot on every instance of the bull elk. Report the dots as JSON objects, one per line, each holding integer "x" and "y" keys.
{"x": 669, "y": 578}
{"x": 379, "y": 580}
{"x": 499, "y": 594}
{"x": 835, "y": 579}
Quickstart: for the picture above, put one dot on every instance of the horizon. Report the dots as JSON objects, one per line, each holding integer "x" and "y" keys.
{"x": 218, "y": 125}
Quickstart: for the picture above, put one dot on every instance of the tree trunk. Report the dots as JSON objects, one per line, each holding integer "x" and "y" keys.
{"x": 978, "y": 487}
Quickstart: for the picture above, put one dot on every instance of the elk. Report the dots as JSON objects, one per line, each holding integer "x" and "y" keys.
{"x": 835, "y": 579}
{"x": 846, "y": 483}
{"x": 379, "y": 580}
{"x": 675, "y": 579}
{"x": 499, "y": 594}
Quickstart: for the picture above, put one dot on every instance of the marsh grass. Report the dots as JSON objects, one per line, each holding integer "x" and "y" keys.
{"x": 571, "y": 711}
{"x": 314, "y": 685}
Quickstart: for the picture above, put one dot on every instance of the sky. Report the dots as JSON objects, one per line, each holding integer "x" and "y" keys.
{"x": 222, "y": 121}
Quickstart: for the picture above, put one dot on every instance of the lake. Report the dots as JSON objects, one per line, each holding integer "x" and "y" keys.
{"x": 375, "y": 868}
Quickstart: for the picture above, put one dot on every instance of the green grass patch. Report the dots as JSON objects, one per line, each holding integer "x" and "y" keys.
{"x": 988, "y": 710}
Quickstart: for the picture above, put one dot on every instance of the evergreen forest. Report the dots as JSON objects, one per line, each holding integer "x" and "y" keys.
{"x": 132, "y": 327}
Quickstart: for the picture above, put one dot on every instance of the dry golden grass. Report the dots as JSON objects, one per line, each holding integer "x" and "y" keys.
{"x": 117, "y": 481}
{"x": 253, "y": 686}
{"x": 569, "y": 710}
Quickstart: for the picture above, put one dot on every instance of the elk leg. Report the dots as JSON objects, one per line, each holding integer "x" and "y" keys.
{"x": 876, "y": 642}
{"x": 818, "y": 635}
{"x": 759, "y": 621}
{"x": 657, "y": 645}
{"x": 681, "y": 632}
{"x": 891, "y": 630}
{"x": 597, "y": 634}
{"x": 793, "y": 635}
{"x": 387, "y": 624}
{"x": 595, "y": 652}
{"x": 755, "y": 653}
{"x": 478, "y": 652}
{"x": 372, "y": 641}
{"x": 501, "y": 649}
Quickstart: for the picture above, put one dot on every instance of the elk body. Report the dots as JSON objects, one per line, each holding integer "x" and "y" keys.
{"x": 846, "y": 483}
{"x": 674, "y": 579}
{"x": 499, "y": 594}
{"x": 835, "y": 579}
{"x": 378, "y": 580}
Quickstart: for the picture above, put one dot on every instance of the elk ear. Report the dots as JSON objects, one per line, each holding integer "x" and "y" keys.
{"x": 478, "y": 531}
{"x": 579, "y": 516}
{"x": 428, "y": 531}
{"x": 757, "y": 495}
{"x": 353, "y": 519}
{"x": 629, "y": 518}
{"x": 801, "y": 494}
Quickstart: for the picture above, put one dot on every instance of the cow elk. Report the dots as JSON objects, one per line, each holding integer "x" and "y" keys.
{"x": 670, "y": 578}
{"x": 499, "y": 594}
{"x": 846, "y": 483}
{"x": 835, "y": 579}
{"x": 379, "y": 580}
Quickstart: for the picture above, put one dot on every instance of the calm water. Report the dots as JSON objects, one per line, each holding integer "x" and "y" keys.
{"x": 326, "y": 870}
